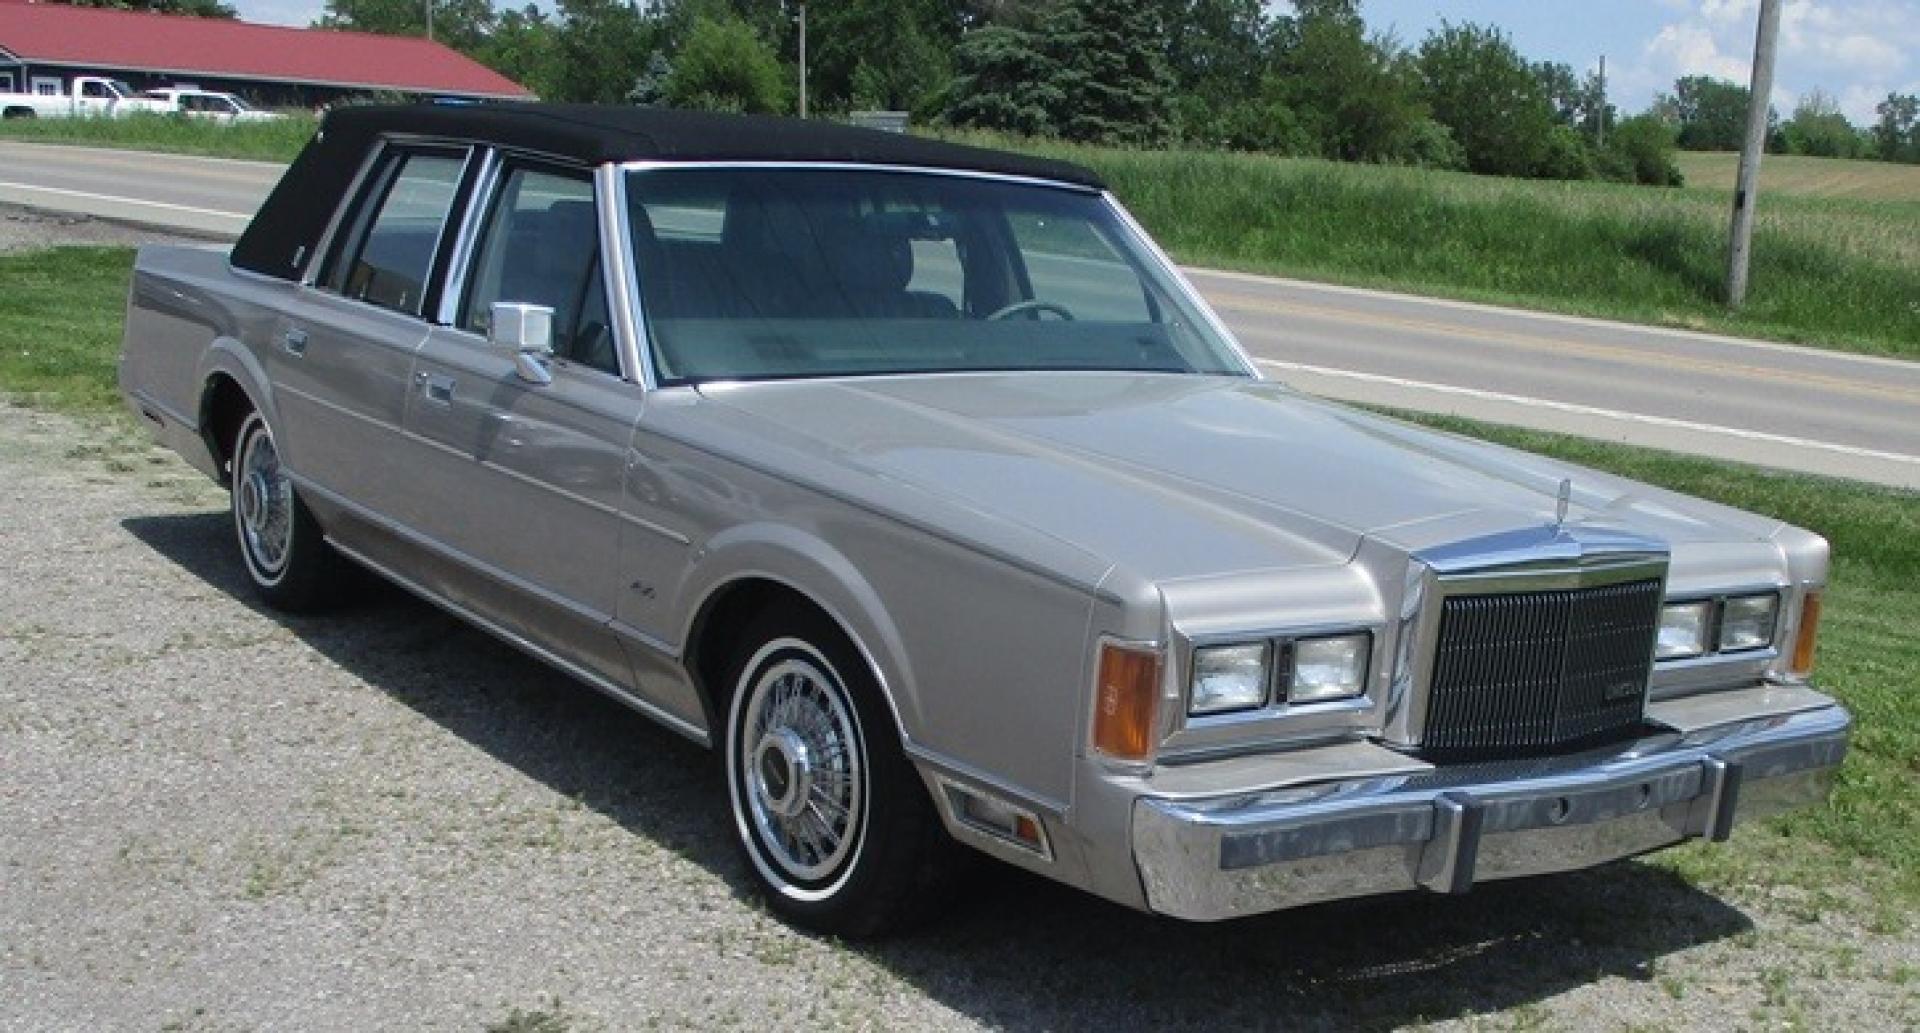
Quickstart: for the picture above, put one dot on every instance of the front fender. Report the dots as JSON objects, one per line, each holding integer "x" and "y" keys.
{"x": 811, "y": 567}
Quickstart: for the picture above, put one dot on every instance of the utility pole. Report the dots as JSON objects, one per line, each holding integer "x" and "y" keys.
{"x": 429, "y": 4}
{"x": 803, "y": 58}
{"x": 1602, "y": 142}
{"x": 1746, "y": 190}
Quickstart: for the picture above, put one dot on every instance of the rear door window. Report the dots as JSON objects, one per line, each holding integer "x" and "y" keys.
{"x": 386, "y": 257}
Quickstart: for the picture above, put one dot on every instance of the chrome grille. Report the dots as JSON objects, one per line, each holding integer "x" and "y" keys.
{"x": 1529, "y": 672}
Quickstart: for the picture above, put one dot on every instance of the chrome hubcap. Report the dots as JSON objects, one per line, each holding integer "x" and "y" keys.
{"x": 264, "y": 504}
{"x": 800, "y": 764}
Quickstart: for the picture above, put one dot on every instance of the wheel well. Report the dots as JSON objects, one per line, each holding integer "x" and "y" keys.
{"x": 20, "y": 113}
{"x": 725, "y": 615}
{"x": 223, "y": 406}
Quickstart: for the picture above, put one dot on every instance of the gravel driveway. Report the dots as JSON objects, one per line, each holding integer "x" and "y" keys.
{"x": 216, "y": 818}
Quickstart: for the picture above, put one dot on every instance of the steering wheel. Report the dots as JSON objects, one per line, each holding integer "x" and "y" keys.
{"x": 1021, "y": 307}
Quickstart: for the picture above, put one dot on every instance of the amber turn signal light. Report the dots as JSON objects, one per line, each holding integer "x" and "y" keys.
{"x": 1124, "y": 708}
{"x": 1805, "y": 637}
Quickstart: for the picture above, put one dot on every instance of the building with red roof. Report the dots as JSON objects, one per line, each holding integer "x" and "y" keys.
{"x": 44, "y": 45}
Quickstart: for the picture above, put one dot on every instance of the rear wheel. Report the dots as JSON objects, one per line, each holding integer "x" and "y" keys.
{"x": 17, "y": 113}
{"x": 288, "y": 561}
{"x": 834, "y": 822}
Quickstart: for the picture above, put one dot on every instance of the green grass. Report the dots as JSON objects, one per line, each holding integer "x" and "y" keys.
{"x": 1828, "y": 272}
{"x": 264, "y": 141}
{"x": 1803, "y": 176}
{"x": 1839, "y": 271}
{"x": 60, "y": 318}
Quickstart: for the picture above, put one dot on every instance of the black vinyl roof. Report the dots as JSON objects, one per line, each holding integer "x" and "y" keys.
{"x": 600, "y": 133}
{"x": 289, "y": 225}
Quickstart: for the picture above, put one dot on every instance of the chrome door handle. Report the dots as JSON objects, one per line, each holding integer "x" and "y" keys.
{"x": 437, "y": 387}
{"x": 294, "y": 340}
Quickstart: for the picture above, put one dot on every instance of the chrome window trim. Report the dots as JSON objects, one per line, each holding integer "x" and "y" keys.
{"x": 460, "y": 261}
{"x": 648, "y": 164}
{"x": 622, "y": 281}
{"x": 1138, "y": 234}
{"x": 458, "y": 208}
{"x": 1169, "y": 269}
{"x": 309, "y": 277}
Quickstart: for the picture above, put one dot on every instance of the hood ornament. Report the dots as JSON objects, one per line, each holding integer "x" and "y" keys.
{"x": 1566, "y": 498}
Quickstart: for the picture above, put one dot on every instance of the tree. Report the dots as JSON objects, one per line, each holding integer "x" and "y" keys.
{"x": 524, "y": 46}
{"x": 1896, "y": 137}
{"x": 599, "y": 50}
{"x": 725, "y": 66}
{"x": 1088, "y": 70}
{"x": 1710, "y": 113}
{"x": 190, "y": 8}
{"x": 1114, "y": 76}
{"x": 1478, "y": 85}
{"x": 890, "y": 54}
{"x": 1578, "y": 101}
{"x": 1818, "y": 128}
{"x": 1216, "y": 51}
{"x": 1003, "y": 78}
{"x": 1354, "y": 95}
{"x": 461, "y": 24}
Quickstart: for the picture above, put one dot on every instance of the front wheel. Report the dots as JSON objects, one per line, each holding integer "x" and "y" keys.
{"x": 835, "y": 824}
{"x": 288, "y": 561}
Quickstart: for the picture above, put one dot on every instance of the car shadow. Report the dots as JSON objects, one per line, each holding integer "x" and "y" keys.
{"x": 1021, "y": 952}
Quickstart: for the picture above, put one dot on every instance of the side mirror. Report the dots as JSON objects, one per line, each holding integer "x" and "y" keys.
{"x": 528, "y": 330}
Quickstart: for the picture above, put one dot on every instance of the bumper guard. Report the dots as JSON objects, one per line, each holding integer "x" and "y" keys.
{"x": 1448, "y": 829}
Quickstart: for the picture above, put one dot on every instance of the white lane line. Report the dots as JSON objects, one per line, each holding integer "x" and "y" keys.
{"x": 1523, "y": 314}
{"x": 85, "y": 195}
{"x": 1589, "y": 410}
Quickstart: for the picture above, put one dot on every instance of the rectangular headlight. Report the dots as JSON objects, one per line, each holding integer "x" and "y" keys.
{"x": 1229, "y": 678}
{"x": 1329, "y": 668}
{"x": 1683, "y": 630}
{"x": 1747, "y": 622}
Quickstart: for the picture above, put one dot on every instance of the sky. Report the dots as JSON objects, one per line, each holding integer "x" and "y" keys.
{"x": 1855, "y": 50}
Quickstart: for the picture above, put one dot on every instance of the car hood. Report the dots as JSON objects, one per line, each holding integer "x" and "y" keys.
{"x": 1191, "y": 476}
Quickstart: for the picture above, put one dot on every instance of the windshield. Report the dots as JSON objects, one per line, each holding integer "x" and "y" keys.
{"x": 760, "y": 273}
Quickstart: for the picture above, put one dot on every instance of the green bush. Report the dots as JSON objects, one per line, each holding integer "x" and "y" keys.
{"x": 1431, "y": 145}
{"x": 724, "y": 66}
{"x": 1640, "y": 150}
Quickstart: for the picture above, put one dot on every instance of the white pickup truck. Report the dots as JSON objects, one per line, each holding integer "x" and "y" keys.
{"x": 211, "y": 105}
{"x": 87, "y": 95}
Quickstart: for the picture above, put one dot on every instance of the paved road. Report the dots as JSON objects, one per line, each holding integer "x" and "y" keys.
{"x": 1751, "y": 401}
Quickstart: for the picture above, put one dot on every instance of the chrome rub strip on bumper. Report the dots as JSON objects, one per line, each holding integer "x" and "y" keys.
{"x": 1251, "y": 853}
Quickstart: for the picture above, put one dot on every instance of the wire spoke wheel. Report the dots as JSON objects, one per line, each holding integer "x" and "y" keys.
{"x": 797, "y": 765}
{"x": 263, "y": 505}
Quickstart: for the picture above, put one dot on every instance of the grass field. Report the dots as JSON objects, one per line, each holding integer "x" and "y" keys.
{"x": 60, "y": 319}
{"x": 1831, "y": 271}
{"x": 265, "y": 141}
{"x": 1827, "y": 272}
{"x": 1796, "y": 175}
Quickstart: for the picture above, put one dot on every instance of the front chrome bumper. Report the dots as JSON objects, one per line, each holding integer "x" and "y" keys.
{"x": 1448, "y": 829}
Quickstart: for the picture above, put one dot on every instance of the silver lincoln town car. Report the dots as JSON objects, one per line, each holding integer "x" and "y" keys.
{"x": 915, "y": 481}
